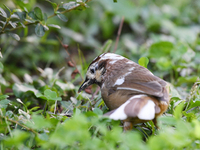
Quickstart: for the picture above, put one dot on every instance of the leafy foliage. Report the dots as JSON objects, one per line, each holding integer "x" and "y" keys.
{"x": 39, "y": 104}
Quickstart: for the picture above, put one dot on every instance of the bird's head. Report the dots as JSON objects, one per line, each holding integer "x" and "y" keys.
{"x": 94, "y": 73}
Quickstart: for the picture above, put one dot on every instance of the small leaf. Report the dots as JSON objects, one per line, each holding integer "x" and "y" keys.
{"x": 15, "y": 36}
{"x": 115, "y": 1}
{"x": 106, "y": 46}
{"x": 98, "y": 111}
{"x": 62, "y": 17}
{"x": 14, "y": 16}
{"x": 54, "y": 5}
{"x": 22, "y": 25}
{"x": 39, "y": 30}
{"x": 4, "y": 103}
{"x": 32, "y": 15}
{"x": 7, "y": 8}
{"x": 3, "y": 97}
{"x": 54, "y": 26}
{"x": 45, "y": 17}
{"x": 13, "y": 24}
{"x": 69, "y": 5}
{"x": 143, "y": 61}
{"x": 38, "y": 13}
{"x": 3, "y": 13}
{"x": 21, "y": 14}
{"x": 1, "y": 68}
{"x": 30, "y": 21}
{"x": 178, "y": 110}
{"x": 51, "y": 95}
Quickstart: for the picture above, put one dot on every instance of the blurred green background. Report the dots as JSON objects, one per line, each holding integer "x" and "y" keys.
{"x": 39, "y": 104}
{"x": 167, "y": 32}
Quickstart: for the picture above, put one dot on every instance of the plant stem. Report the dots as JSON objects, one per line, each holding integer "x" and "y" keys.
{"x": 13, "y": 121}
{"x": 118, "y": 34}
{"x": 28, "y": 23}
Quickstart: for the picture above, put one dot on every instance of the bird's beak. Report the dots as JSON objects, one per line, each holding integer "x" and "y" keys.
{"x": 85, "y": 84}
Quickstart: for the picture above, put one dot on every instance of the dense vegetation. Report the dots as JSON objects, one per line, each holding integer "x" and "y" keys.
{"x": 46, "y": 47}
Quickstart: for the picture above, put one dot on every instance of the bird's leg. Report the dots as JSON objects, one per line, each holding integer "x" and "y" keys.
{"x": 127, "y": 126}
{"x": 155, "y": 123}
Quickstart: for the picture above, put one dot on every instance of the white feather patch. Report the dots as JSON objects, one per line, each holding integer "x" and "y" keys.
{"x": 119, "y": 113}
{"x": 112, "y": 56}
{"x": 148, "y": 111}
{"x": 119, "y": 81}
{"x": 131, "y": 89}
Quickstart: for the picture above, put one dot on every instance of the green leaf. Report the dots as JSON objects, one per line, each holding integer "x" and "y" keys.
{"x": 54, "y": 5}
{"x": 7, "y": 8}
{"x": 15, "y": 36}
{"x": 18, "y": 138}
{"x": 4, "y": 103}
{"x": 160, "y": 49}
{"x": 187, "y": 80}
{"x": 54, "y": 26}
{"x": 98, "y": 111}
{"x": 51, "y": 95}
{"x": 38, "y": 13}
{"x": 2, "y": 97}
{"x": 62, "y": 17}
{"x": 164, "y": 63}
{"x": 143, "y": 61}
{"x": 45, "y": 17}
{"x": 115, "y": 1}
{"x": 32, "y": 15}
{"x": 69, "y": 5}
{"x": 107, "y": 46}
{"x": 39, "y": 122}
{"x": 1, "y": 66}
{"x": 13, "y": 24}
{"x": 3, "y": 13}
{"x": 21, "y": 14}
{"x": 39, "y": 30}
{"x": 178, "y": 110}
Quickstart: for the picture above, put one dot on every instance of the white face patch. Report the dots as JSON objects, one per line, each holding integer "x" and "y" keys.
{"x": 89, "y": 74}
{"x": 119, "y": 113}
{"x": 148, "y": 111}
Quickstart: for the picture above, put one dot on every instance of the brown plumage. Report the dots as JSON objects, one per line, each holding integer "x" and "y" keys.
{"x": 130, "y": 91}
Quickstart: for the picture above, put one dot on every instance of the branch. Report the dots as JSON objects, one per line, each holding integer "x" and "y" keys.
{"x": 70, "y": 57}
{"x": 13, "y": 121}
{"x": 118, "y": 34}
{"x": 32, "y": 23}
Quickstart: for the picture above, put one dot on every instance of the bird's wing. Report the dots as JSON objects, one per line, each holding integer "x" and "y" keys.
{"x": 141, "y": 81}
{"x": 138, "y": 106}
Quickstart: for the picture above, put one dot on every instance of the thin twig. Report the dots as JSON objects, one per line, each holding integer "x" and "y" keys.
{"x": 13, "y": 121}
{"x": 118, "y": 34}
{"x": 95, "y": 93}
{"x": 70, "y": 57}
{"x": 32, "y": 23}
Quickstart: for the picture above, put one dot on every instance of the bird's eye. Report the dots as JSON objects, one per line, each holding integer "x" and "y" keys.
{"x": 92, "y": 70}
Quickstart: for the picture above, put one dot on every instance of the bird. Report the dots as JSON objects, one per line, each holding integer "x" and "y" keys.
{"x": 132, "y": 93}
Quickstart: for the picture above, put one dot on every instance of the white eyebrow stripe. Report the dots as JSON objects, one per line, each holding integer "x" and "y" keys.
{"x": 131, "y": 89}
{"x": 112, "y": 56}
